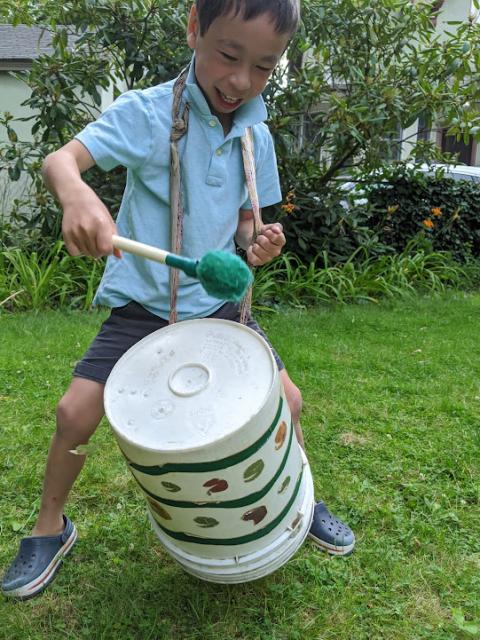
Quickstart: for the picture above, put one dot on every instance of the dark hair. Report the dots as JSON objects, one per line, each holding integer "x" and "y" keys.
{"x": 285, "y": 13}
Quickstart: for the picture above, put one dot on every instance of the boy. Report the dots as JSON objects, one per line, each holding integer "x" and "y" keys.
{"x": 236, "y": 45}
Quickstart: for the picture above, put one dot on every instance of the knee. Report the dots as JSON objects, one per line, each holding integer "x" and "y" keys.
{"x": 71, "y": 424}
{"x": 295, "y": 401}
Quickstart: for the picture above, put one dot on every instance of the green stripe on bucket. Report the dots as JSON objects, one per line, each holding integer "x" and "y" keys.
{"x": 185, "y": 537}
{"x": 192, "y": 467}
{"x": 228, "y": 504}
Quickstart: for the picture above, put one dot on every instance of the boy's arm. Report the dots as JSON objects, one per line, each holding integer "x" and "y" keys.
{"x": 87, "y": 225}
{"x": 268, "y": 243}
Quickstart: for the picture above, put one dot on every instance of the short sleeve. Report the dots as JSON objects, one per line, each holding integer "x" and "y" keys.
{"x": 268, "y": 182}
{"x": 122, "y": 135}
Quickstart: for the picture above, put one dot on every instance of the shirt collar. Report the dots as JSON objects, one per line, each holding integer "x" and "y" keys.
{"x": 248, "y": 114}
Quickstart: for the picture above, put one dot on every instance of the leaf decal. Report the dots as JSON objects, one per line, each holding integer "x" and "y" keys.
{"x": 285, "y": 484}
{"x": 205, "y": 522}
{"x": 169, "y": 486}
{"x": 253, "y": 471}
{"x": 216, "y": 485}
{"x": 281, "y": 435}
{"x": 255, "y": 515}
{"x": 158, "y": 509}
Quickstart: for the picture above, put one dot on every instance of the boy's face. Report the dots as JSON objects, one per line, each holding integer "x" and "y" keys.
{"x": 234, "y": 59}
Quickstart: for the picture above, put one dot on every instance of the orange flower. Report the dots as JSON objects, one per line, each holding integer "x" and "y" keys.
{"x": 436, "y": 211}
{"x": 288, "y": 208}
{"x": 428, "y": 224}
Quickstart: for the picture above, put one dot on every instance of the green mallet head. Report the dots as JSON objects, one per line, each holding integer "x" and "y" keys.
{"x": 224, "y": 275}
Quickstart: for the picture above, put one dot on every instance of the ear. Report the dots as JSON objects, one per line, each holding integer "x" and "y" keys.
{"x": 193, "y": 28}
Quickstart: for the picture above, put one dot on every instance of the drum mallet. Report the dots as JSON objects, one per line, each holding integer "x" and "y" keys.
{"x": 223, "y": 275}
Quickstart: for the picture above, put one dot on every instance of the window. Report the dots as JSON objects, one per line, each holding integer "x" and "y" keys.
{"x": 463, "y": 151}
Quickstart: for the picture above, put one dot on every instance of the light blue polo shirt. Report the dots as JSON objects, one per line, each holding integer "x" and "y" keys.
{"x": 135, "y": 132}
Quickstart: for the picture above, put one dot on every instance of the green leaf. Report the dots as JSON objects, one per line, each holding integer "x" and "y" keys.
{"x": 206, "y": 523}
{"x": 14, "y": 173}
{"x": 467, "y": 627}
{"x": 169, "y": 486}
{"x": 11, "y": 153}
{"x": 285, "y": 484}
{"x": 253, "y": 471}
{"x": 12, "y": 136}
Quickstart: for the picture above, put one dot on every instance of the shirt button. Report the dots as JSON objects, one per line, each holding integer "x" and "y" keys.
{"x": 219, "y": 152}
{"x": 213, "y": 123}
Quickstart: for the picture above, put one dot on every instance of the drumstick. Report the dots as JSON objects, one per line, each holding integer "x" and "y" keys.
{"x": 223, "y": 275}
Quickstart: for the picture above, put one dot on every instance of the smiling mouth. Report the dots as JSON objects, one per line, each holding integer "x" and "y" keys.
{"x": 229, "y": 99}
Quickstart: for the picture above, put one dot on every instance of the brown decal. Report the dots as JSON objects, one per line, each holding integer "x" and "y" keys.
{"x": 256, "y": 515}
{"x": 216, "y": 485}
{"x": 281, "y": 435}
{"x": 158, "y": 509}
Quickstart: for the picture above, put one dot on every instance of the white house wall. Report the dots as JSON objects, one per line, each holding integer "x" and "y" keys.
{"x": 451, "y": 11}
{"x": 12, "y": 93}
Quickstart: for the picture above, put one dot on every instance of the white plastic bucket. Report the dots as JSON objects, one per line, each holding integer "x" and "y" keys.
{"x": 199, "y": 413}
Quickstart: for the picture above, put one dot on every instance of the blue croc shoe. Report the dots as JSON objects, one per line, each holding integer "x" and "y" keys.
{"x": 37, "y": 562}
{"x": 329, "y": 533}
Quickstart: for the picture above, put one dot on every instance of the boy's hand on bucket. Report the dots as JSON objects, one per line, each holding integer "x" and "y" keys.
{"x": 268, "y": 245}
{"x": 87, "y": 226}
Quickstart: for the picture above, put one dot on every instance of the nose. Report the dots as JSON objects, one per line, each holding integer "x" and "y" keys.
{"x": 240, "y": 80}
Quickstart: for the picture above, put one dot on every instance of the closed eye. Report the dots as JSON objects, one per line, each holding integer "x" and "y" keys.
{"x": 265, "y": 69}
{"x": 228, "y": 57}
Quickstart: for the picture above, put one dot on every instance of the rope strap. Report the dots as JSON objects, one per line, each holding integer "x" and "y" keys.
{"x": 179, "y": 129}
{"x": 251, "y": 178}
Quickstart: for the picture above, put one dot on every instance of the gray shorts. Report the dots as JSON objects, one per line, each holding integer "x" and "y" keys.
{"x": 129, "y": 324}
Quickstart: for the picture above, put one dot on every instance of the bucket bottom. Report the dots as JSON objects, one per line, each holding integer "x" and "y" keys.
{"x": 254, "y": 565}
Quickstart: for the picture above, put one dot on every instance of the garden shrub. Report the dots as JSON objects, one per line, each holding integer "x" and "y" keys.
{"x": 52, "y": 278}
{"x": 47, "y": 279}
{"x": 101, "y": 45}
{"x": 445, "y": 212}
{"x": 315, "y": 221}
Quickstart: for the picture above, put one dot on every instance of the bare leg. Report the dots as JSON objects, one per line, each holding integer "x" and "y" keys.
{"x": 294, "y": 399}
{"x": 78, "y": 415}
{"x": 327, "y": 532}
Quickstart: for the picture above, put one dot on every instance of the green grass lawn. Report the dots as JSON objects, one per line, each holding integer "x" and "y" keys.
{"x": 391, "y": 419}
